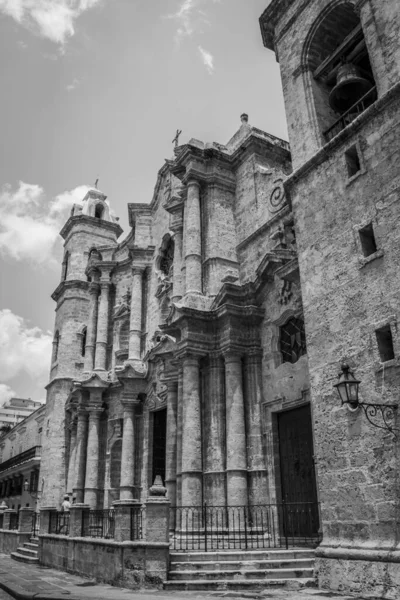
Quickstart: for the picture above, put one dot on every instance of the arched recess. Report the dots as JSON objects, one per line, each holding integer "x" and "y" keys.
{"x": 335, "y": 38}
{"x": 165, "y": 258}
{"x": 115, "y": 464}
{"x": 56, "y": 344}
{"x": 65, "y": 265}
{"x": 82, "y": 337}
{"x": 99, "y": 211}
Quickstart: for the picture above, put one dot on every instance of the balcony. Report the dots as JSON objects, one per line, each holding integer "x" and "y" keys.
{"x": 21, "y": 458}
{"x": 351, "y": 114}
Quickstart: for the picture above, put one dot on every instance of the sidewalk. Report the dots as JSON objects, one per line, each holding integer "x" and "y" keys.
{"x": 32, "y": 582}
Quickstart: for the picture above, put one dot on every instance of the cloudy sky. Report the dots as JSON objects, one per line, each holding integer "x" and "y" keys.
{"x": 97, "y": 88}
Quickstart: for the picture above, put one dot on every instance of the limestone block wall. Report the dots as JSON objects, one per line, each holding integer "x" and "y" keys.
{"x": 80, "y": 240}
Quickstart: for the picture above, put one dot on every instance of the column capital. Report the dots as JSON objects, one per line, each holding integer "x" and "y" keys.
{"x": 190, "y": 358}
{"x": 216, "y": 360}
{"x": 104, "y": 285}
{"x": 129, "y": 404}
{"x": 233, "y": 356}
{"x": 94, "y": 410}
{"x": 94, "y": 288}
{"x": 192, "y": 181}
{"x": 138, "y": 269}
{"x": 172, "y": 385}
{"x": 253, "y": 355}
{"x": 81, "y": 412}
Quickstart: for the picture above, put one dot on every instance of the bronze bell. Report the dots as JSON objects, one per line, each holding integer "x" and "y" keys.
{"x": 349, "y": 89}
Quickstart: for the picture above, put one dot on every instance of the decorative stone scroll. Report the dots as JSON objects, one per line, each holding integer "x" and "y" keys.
{"x": 278, "y": 197}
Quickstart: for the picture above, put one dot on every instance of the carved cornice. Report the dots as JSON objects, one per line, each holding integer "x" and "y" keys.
{"x": 72, "y": 284}
{"x": 93, "y": 222}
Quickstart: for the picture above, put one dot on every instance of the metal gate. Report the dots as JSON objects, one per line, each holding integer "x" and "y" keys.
{"x": 208, "y": 528}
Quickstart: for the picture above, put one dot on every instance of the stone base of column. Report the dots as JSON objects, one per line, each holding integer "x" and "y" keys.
{"x": 236, "y": 486}
{"x": 78, "y": 494}
{"x": 90, "y": 497}
{"x": 123, "y": 519}
{"x": 192, "y": 483}
{"x": 258, "y": 487}
{"x": 214, "y": 488}
{"x": 126, "y": 493}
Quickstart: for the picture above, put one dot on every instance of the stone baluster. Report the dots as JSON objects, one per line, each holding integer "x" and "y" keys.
{"x": 170, "y": 453}
{"x": 93, "y": 446}
{"x": 135, "y": 327}
{"x": 127, "y": 479}
{"x": 214, "y": 438}
{"x": 91, "y": 331}
{"x": 72, "y": 455}
{"x": 236, "y": 456}
{"x": 179, "y": 438}
{"x": 193, "y": 260}
{"x": 258, "y": 488}
{"x": 192, "y": 468}
{"x": 177, "y": 285}
{"x": 80, "y": 455}
{"x": 102, "y": 327}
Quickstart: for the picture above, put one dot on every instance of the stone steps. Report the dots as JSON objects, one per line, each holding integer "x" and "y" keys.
{"x": 28, "y": 553}
{"x": 236, "y": 570}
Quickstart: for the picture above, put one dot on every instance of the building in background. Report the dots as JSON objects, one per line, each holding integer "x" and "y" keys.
{"x": 16, "y": 410}
{"x": 20, "y": 455}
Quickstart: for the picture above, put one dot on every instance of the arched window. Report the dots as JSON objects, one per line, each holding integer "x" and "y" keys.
{"x": 56, "y": 343}
{"x": 342, "y": 80}
{"x": 167, "y": 257}
{"x": 83, "y": 341}
{"x": 98, "y": 211}
{"x": 292, "y": 340}
{"x": 65, "y": 265}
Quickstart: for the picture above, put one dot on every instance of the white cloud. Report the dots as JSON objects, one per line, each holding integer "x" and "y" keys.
{"x": 23, "y": 349}
{"x": 190, "y": 18}
{"x": 208, "y": 59}
{"x": 53, "y": 19}
{"x": 29, "y": 224}
{"x": 5, "y": 393}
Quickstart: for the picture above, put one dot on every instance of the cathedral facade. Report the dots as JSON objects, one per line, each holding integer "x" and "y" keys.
{"x": 204, "y": 347}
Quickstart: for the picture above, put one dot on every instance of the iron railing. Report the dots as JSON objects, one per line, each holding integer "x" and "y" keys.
{"x": 98, "y": 524}
{"x": 1, "y": 521}
{"x": 35, "y": 524}
{"x": 22, "y": 457}
{"x": 350, "y": 114}
{"x": 59, "y": 522}
{"x": 209, "y": 528}
{"x": 137, "y": 522}
{"x": 14, "y": 519}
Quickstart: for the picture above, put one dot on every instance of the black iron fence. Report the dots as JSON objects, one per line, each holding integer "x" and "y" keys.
{"x": 59, "y": 522}
{"x": 35, "y": 524}
{"x": 14, "y": 520}
{"x": 1, "y": 521}
{"x": 208, "y": 528}
{"x": 99, "y": 524}
{"x": 351, "y": 114}
{"x": 137, "y": 522}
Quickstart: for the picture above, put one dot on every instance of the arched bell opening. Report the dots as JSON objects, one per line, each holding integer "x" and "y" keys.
{"x": 98, "y": 211}
{"x": 336, "y": 55}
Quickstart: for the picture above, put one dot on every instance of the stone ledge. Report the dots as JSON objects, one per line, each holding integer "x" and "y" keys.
{"x": 372, "y": 555}
{"x": 104, "y": 541}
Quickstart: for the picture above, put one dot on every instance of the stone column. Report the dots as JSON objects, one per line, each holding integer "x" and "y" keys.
{"x": 193, "y": 240}
{"x": 102, "y": 328}
{"x": 170, "y": 453}
{"x": 80, "y": 454}
{"x": 214, "y": 435}
{"x": 127, "y": 452}
{"x": 177, "y": 286}
{"x": 236, "y": 460}
{"x": 179, "y": 438}
{"x": 45, "y": 513}
{"x": 72, "y": 455}
{"x": 135, "y": 327}
{"x": 93, "y": 446}
{"x": 192, "y": 468}
{"x": 91, "y": 327}
{"x": 124, "y": 520}
{"x": 258, "y": 486}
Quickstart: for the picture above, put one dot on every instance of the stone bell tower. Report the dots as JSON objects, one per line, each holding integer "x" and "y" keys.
{"x": 89, "y": 231}
{"x": 340, "y": 67}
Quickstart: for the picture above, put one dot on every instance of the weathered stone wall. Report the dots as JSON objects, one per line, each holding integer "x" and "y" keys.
{"x": 127, "y": 564}
{"x": 11, "y": 540}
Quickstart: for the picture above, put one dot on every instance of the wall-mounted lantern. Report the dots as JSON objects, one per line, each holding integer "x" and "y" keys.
{"x": 347, "y": 388}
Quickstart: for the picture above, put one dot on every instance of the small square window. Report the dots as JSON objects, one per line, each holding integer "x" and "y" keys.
{"x": 352, "y": 161}
{"x": 385, "y": 343}
{"x": 367, "y": 238}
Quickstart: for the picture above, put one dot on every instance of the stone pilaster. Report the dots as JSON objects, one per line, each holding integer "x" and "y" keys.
{"x": 92, "y": 458}
{"x": 179, "y": 438}
{"x": 91, "y": 331}
{"x": 72, "y": 455}
{"x": 135, "y": 327}
{"x": 193, "y": 267}
{"x": 192, "y": 468}
{"x": 25, "y": 519}
{"x": 170, "y": 454}
{"x": 177, "y": 285}
{"x": 102, "y": 327}
{"x": 128, "y": 448}
{"x": 214, "y": 435}
{"x": 78, "y": 515}
{"x": 45, "y": 513}
{"x": 123, "y": 519}
{"x": 236, "y": 459}
{"x": 257, "y": 472}
{"x": 80, "y": 455}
